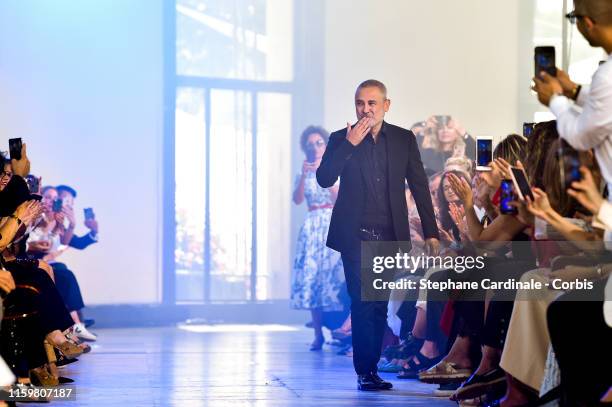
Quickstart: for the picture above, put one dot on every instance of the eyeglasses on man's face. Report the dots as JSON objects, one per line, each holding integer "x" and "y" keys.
{"x": 573, "y": 17}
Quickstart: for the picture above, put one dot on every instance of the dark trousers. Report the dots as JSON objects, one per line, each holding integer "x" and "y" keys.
{"x": 407, "y": 314}
{"x": 492, "y": 330}
{"x": 21, "y": 340}
{"x": 68, "y": 287}
{"x": 581, "y": 340}
{"x": 50, "y": 306}
{"x": 368, "y": 319}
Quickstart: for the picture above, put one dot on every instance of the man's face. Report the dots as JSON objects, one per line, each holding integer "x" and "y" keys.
{"x": 585, "y": 27}
{"x": 67, "y": 198}
{"x": 370, "y": 102}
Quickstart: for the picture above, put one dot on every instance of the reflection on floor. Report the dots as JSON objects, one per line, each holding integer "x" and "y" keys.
{"x": 225, "y": 365}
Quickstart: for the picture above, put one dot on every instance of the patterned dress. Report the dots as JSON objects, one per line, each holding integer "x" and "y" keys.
{"x": 318, "y": 276}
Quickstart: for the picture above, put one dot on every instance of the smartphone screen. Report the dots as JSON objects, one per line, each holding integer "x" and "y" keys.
{"x": 443, "y": 120}
{"x": 89, "y": 213}
{"x": 528, "y": 129}
{"x": 33, "y": 184}
{"x": 522, "y": 183}
{"x": 569, "y": 165}
{"x": 15, "y": 145}
{"x": 507, "y": 196}
{"x": 57, "y": 205}
{"x": 545, "y": 60}
{"x": 311, "y": 155}
{"x": 484, "y": 152}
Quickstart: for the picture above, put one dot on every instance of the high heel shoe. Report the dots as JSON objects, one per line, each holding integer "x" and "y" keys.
{"x": 75, "y": 340}
{"x": 69, "y": 349}
{"x": 41, "y": 377}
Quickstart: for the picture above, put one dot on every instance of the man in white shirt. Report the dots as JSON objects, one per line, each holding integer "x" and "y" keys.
{"x": 591, "y": 127}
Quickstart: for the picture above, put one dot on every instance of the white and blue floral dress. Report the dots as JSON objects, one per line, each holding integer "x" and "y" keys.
{"x": 318, "y": 276}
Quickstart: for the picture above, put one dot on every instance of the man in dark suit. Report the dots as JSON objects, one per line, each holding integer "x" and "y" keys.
{"x": 373, "y": 159}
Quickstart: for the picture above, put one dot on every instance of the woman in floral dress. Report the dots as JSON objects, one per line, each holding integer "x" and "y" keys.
{"x": 318, "y": 276}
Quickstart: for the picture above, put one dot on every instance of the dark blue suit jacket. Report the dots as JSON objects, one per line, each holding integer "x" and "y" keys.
{"x": 342, "y": 159}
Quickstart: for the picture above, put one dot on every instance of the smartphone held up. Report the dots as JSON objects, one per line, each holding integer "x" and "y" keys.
{"x": 484, "y": 153}
{"x": 545, "y": 60}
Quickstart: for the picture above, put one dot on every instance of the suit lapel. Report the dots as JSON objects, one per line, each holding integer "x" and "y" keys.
{"x": 392, "y": 147}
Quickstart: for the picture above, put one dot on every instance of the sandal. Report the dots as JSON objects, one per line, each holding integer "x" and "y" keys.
{"x": 445, "y": 372}
{"x": 412, "y": 372}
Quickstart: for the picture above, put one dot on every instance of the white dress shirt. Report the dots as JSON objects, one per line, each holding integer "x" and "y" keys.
{"x": 591, "y": 128}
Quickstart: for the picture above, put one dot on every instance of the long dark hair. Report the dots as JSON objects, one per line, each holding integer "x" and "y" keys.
{"x": 445, "y": 219}
{"x": 538, "y": 146}
{"x": 551, "y": 177}
{"x": 14, "y": 194}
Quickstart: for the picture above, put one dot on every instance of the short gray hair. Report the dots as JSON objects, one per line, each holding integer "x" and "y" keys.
{"x": 373, "y": 83}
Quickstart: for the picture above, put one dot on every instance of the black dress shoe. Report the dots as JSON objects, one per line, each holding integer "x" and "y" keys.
{"x": 370, "y": 382}
{"x": 65, "y": 380}
{"x": 384, "y": 384}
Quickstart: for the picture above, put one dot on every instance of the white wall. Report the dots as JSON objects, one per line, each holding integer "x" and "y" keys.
{"x": 81, "y": 82}
{"x": 435, "y": 56}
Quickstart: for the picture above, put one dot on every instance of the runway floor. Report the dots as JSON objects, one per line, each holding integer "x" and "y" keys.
{"x": 225, "y": 365}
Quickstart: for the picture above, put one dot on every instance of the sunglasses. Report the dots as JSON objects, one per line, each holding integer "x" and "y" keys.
{"x": 573, "y": 17}
{"x": 318, "y": 143}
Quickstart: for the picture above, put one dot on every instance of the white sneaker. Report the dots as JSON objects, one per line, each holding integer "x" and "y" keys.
{"x": 82, "y": 333}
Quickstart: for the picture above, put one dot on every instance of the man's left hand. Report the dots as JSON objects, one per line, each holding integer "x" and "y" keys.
{"x": 546, "y": 86}
{"x": 432, "y": 246}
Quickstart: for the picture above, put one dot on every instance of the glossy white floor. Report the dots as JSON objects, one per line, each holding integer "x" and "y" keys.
{"x": 225, "y": 365}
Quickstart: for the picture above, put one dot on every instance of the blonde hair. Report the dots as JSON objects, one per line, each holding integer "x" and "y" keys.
{"x": 458, "y": 146}
{"x": 463, "y": 164}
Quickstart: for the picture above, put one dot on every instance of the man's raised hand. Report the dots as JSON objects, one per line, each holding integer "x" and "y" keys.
{"x": 355, "y": 135}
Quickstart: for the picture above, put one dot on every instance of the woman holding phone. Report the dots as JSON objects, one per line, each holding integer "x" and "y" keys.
{"x": 318, "y": 276}
{"x": 445, "y": 138}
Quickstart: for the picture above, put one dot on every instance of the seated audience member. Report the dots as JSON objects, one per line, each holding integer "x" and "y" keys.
{"x": 48, "y": 241}
{"x": 52, "y": 324}
{"x": 473, "y": 330}
{"x": 527, "y": 328}
{"x": 451, "y": 208}
{"x": 65, "y": 280}
{"x": 445, "y": 138}
{"x": 68, "y": 195}
{"x": 574, "y": 319}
